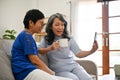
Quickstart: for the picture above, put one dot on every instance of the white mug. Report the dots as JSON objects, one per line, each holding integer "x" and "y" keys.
{"x": 63, "y": 42}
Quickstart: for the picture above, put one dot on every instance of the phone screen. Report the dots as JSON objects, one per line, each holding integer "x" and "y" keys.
{"x": 95, "y": 36}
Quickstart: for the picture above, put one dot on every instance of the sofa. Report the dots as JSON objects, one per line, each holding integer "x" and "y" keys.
{"x": 117, "y": 71}
{"x": 6, "y": 72}
{"x": 5, "y": 67}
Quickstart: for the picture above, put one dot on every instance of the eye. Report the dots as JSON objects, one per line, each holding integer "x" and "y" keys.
{"x": 56, "y": 24}
{"x": 43, "y": 24}
{"x": 62, "y": 24}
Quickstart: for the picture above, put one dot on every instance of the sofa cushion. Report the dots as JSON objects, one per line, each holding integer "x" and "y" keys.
{"x": 5, "y": 67}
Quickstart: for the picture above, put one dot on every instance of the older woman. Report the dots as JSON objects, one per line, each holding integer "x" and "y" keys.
{"x": 26, "y": 64}
{"x": 60, "y": 59}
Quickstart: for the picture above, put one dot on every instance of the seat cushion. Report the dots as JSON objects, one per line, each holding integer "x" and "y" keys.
{"x": 5, "y": 67}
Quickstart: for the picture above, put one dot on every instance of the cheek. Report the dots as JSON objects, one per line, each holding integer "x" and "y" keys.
{"x": 38, "y": 26}
{"x": 54, "y": 30}
{"x": 63, "y": 28}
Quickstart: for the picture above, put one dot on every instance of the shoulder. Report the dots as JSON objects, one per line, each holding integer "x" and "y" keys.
{"x": 24, "y": 36}
{"x": 71, "y": 37}
{"x": 43, "y": 40}
{"x": 72, "y": 40}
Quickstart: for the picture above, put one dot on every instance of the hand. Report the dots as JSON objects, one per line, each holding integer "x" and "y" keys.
{"x": 49, "y": 71}
{"x": 94, "y": 47}
{"x": 55, "y": 45}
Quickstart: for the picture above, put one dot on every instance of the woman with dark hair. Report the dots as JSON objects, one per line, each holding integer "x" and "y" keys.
{"x": 26, "y": 64}
{"x": 60, "y": 59}
{"x": 50, "y": 34}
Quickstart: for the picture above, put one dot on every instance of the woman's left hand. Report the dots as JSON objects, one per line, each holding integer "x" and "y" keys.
{"x": 94, "y": 47}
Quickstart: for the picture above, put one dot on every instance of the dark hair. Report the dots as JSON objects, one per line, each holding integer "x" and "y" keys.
{"x": 34, "y": 15}
{"x": 50, "y": 35}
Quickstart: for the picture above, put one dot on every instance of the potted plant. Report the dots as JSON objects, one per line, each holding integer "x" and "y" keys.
{"x": 7, "y": 40}
{"x": 9, "y": 34}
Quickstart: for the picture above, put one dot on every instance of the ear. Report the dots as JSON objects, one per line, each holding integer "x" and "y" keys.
{"x": 31, "y": 23}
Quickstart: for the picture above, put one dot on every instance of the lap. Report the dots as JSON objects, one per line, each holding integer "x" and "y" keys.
{"x": 81, "y": 73}
{"x": 77, "y": 73}
{"x": 38, "y": 74}
{"x": 67, "y": 75}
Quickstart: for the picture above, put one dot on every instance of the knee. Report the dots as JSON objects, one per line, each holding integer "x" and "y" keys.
{"x": 75, "y": 78}
{"x": 68, "y": 75}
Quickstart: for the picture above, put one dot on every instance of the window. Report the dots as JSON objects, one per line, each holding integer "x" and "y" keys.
{"x": 114, "y": 33}
{"x": 89, "y": 20}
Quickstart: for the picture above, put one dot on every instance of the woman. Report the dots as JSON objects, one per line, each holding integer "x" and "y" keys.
{"x": 60, "y": 59}
{"x": 26, "y": 64}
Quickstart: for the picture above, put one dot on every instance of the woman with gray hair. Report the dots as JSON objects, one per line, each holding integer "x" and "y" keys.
{"x": 59, "y": 58}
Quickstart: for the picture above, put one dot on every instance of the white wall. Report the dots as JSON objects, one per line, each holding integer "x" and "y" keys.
{"x": 12, "y": 11}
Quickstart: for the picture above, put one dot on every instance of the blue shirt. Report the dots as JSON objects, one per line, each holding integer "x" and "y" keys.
{"x": 61, "y": 59}
{"x": 23, "y": 46}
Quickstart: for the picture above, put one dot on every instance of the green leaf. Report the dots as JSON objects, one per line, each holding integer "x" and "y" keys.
{"x": 9, "y": 34}
{"x": 8, "y": 31}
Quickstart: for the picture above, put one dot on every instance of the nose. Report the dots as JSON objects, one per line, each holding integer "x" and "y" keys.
{"x": 60, "y": 27}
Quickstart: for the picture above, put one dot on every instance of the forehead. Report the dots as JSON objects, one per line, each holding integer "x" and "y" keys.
{"x": 57, "y": 20}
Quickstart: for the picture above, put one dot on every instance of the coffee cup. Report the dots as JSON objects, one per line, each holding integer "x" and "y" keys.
{"x": 63, "y": 42}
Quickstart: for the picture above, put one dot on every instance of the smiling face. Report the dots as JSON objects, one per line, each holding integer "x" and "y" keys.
{"x": 58, "y": 27}
{"x": 39, "y": 25}
{"x": 36, "y": 27}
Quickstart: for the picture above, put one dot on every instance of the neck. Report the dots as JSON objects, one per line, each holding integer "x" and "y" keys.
{"x": 29, "y": 31}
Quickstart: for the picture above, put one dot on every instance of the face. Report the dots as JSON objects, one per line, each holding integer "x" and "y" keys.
{"x": 38, "y": 26}
{"x": 58, "y": 27}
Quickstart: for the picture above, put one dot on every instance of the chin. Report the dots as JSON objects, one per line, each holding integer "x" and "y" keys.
{"x": 39, "y": 31}
{"x": 59, "y": 35}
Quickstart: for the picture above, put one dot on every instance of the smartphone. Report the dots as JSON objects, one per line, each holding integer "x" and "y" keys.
{"x": 95, "y": 36}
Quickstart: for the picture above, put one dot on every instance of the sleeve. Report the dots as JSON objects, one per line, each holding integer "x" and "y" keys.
{"x": 29, "y": 44}
{"x": 74, "y": 46}
{"x": 42, "y": 43}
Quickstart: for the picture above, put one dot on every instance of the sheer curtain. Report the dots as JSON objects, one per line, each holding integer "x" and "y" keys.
{"x": 84, "y": 14}
{"x": 85, "y": 24}
{"x": 86, "y": 20}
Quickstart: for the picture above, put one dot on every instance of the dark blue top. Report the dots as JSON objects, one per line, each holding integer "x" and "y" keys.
{"x": 23, "y": 46}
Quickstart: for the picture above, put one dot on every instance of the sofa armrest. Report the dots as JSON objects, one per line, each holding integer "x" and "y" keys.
{"x": 5, "y": 67}
{"x": 89, "y": 66}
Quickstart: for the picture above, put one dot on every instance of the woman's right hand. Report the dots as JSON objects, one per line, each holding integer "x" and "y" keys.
{"x": 55, "y": 45}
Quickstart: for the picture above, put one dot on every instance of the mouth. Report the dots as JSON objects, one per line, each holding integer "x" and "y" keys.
{"x": 39, "y": 30}
{"x": 59, "y": 31}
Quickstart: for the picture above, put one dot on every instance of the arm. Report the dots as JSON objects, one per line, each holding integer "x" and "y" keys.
{"x": 44, "y": 50}
{"x": 54, "y": 46}
{"x": 86, "y": 53}
{"x": 40, "y": 64}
